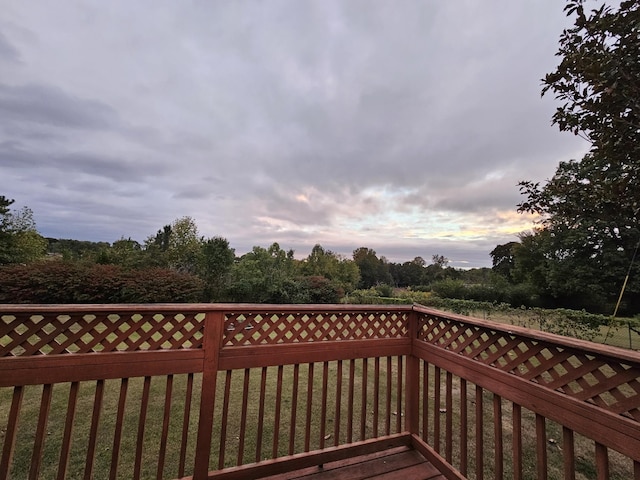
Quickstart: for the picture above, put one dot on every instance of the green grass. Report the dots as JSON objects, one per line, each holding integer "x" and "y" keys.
{"x": 29, "y": 415}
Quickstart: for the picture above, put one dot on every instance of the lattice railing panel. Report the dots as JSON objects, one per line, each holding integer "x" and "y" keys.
{"x": 611, "y": 384}
{"x": 262, "y": 328}
{"x": 51, "y": 334}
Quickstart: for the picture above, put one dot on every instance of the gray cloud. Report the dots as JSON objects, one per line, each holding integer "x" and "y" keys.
{"x": 8, "y": 52}
{"x": 400, "y": 125}
{"x": 51, "y": 106}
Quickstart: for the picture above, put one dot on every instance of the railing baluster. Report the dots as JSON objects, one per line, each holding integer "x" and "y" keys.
{"x": 45, "y": 405}
{"x": 541, "y": 446}
{"x": 376, "y": 394}
{"x": 224, "y": 419}
{"x": 65, "y": 450}
{"x": 117, "y": 434}
{"x": 517, "y": 441}
{"x": 263, "y": 387}
{"x": 479, "y": 434}
{"x": 464, "y": 432}
{"x": 336, "y": 420}
{"x": 602, "y": 462}
{"x": 323, "y": 411}
{"x": 185, "y": 425}
{"x": 276, "y": 420}
{"x": 243, "y": 416}
{"x": 294, "y": 408}
{"x": 352, "y": 364}
{"x": 141, "y": 426}
{"x": 436, "y": 409}
{"x": 10, "y": 435}
{"x": 449, "y": 418}
{"x": 425, "y": 401}
{"x": 93, "y": 432}
{"x": 388, "y": 398}
{"x": 399, "y": 396}
{"x": 497, "y": 434}
{"x": 363, "y": 406}
{"x": 307, "y": 428}
{"x": 568, "y": 454}
{"x": 165, "y": 425}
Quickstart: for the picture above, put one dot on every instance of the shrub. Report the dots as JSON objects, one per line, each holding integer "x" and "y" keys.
{"x": 63, "y": 282}
{"x": 449, "y": 288}
{"x": 384, "y": 290}
{"x": 317, "y": 289}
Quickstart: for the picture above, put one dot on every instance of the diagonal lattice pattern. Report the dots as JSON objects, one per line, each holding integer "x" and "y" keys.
{"x": 273, "y": 328}
{"x": 23, "y": 335}
{"x": 609, "y": 383}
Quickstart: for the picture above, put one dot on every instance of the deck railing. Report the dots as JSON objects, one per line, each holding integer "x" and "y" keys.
{"x": 211, "y": 391}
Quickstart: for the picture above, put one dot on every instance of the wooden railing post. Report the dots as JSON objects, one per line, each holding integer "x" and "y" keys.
{"x": 412, "y": 384}
{"x": 213, "y": 335}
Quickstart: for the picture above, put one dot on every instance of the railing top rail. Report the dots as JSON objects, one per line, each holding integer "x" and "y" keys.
{"x": 9, "y": 309}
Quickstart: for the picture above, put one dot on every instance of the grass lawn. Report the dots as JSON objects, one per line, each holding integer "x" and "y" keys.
{"x": 305, "y": 413}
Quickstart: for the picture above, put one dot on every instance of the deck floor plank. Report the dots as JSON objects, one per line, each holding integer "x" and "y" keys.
{"x": 399, "y": 462}
{"x": 420, "y": 471}
{"x": 328, "y": 467}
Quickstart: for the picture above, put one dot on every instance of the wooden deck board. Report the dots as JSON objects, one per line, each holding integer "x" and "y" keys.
{"x": 402, "y": 455}
{"x": 399, "y": 462}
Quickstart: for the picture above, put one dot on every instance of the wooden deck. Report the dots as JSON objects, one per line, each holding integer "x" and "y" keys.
{"x": 235, "y": 392}
{"x": 398, "y": 462}
{"x": 400, "y": 456}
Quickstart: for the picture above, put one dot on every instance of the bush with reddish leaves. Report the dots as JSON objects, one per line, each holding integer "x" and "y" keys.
{"x": 62, "y": 282}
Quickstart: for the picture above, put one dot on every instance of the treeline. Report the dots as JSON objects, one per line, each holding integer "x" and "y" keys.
{"x": 177, "y": 264}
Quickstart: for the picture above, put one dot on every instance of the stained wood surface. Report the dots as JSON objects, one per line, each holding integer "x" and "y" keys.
{"x": 401, "y": 462}
{"x": 386, "y": 458}
{"x": 589, "y": 389}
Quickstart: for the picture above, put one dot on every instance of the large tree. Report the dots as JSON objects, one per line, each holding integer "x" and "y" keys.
{"x": 264, "y": 275}
{"x": 177, "y": 246}
{"x": 373, "y": 270}
{"x": 216, "y": 261}
{"x": 590, "y": 207}
{"x": 503, "y": 259}
{"x": 343, "y": 273}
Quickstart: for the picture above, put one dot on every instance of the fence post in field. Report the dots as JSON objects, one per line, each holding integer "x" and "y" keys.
{"x": 212, "y": 343}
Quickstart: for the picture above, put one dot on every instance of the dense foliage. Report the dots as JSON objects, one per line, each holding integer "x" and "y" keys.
{"x": 590, "y": 227}
{"x": 72, "y": 282}
{"x": 19, "y": 240}
{"x": 177, "y": 264}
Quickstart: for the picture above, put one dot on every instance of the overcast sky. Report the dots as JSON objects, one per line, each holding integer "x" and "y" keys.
{"x": 403, "y": 126}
